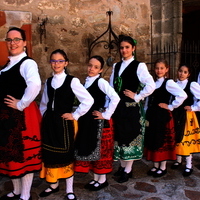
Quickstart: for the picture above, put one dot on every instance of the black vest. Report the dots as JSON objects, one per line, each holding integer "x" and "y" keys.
{"x": 62, "y": 97}
{"x": 160, "y": 95}
{"x": 189, "y": 100}
{"x": 12, "y": 83}
{"x": 97, "y": 94}
{"x": 129, "y": 78}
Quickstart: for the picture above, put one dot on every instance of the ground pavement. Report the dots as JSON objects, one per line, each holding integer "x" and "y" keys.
{"x": 172, "y": 186}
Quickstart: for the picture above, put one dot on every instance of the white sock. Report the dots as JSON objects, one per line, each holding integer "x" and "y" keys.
{"x": 189, "y": 161}
{"x": 155, "y": 165}
{"x": 96, "y": 177}
{"x": 102, "y": 178}
{"x": 69, "y": 184}
{"x": 163, "y": 165}
{"x": 54, "y": 186}
{"x": 17, "y": 187}
{"x": 123, "y": 163}
{"x": 128, "y": 167}
{"x": 26, "y": 186}
{"x": 179, "y": 159}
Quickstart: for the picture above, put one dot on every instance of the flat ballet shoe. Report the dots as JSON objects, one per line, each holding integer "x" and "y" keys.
{"x": 163, "y": 172}
{"x": 99, "y": 186}
{"x": 5, "y": 197}
{"x": 124, "y": 177}
{"x": 176, "y": 165}
{"x": 187, "y": 172}
{"x": 88, "y": 185}
{"x": 150, "y": 172}
{"x": 67, "y": 198}
{"x": 45, "y": 194}
{"x": 119, "y": 171}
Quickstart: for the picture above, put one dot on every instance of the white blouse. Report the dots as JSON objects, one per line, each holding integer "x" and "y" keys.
{"x": 29, "y": 71}
{"x": 80, "y": 92}
{"x": 109, "y": 91}
{"x": 195, "y": 90}
{"x": 143, "y": 75}
{"x": 175, "y": 90}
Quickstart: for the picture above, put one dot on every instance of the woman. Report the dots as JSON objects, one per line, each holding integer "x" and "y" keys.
{"x": 19, "y": 117}
{"x": 126, "y": 78}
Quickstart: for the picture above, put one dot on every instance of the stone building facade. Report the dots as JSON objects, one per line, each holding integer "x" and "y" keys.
{"x": 72, "y": 25}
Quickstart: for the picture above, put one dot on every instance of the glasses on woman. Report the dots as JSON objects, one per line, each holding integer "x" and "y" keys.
{"x": 15, "y": 40}
{"x": 57, "y": 61}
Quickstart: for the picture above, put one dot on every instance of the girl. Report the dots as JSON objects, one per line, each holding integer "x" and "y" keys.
{"x": 57, "y": 124}
{"x": 128, "y": 118}
{"x": 20, "y": 118}
{"x": 94, "y": 145}
{"x": 187, "y": 127}
{"x": 159, "y": 135}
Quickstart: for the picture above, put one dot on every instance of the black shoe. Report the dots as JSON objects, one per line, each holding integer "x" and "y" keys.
{"x": 163, "y": 172}
{"x": 176, "y": 165}
{"x": 5, "y": 197}
{"x": 66, "y": 197}
{"x": 119, "y": 171}
{"x": 124, "y": 177}
{"x": 90, "y": 184}
{"x": 187, "y": 172}
{"x": 150, "y": 172}
{"x": 99, "y": 186}
{"x": 30, "y": 198}
{"x": 45, "y": 194}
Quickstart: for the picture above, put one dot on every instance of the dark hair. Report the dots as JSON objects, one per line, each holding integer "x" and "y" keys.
{"x": 185, "y": 65}
{"x": 22, "y": 32}
{"x": 161, "y": 60}
{"x": 130, "y": 40}
{"x": 60, "y": 51}
{"x": 100, "y": 59}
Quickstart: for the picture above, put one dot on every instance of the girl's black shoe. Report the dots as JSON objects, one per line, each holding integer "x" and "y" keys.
{"x": 119, "y": 171}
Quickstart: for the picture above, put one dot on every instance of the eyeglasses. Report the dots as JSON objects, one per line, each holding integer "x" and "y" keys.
{"x": 57, "y": 61}
{"x": 15, "y": 40}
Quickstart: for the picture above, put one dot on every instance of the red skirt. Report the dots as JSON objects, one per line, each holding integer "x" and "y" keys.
{"x": 31, "y": 143}
{"x": 105, "y": 164}
{"x": 167, "y": 151}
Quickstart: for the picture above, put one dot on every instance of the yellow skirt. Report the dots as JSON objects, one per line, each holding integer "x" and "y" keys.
{"x": 52, "y": 175}
{"x": 191, "y": 139}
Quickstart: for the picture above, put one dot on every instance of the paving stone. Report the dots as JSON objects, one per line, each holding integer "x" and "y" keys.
{"x": 172, "y": 186}
{"x": 154, "y": 198}
{"x": 145, "y": 187}
{"x": 190, "y": 182}
{"x": 192, "y": 195}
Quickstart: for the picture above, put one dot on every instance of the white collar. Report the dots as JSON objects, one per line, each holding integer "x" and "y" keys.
{"x": 60, "y": 75}
{"x": 182, "y": 82}
{"x": 17, "y": 57}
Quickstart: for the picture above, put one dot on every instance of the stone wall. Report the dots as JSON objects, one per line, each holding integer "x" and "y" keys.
{"x": 167, "y": 30}
{"x": 71, "y": 24}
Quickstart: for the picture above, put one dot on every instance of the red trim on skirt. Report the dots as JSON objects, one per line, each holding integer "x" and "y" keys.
{"x": 32, "y": 146}
{"x": 105, "y": 164}
{"x": 167, "y": 151}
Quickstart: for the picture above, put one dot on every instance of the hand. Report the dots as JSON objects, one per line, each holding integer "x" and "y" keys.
{"x": 163, "y": 105}
{"x": 188, "y": 108}
{"x": 98, "y": 114}
{"x": 11, "y": 102}
{"x": 68, "y": 116}
{"x": 129, "y": 93}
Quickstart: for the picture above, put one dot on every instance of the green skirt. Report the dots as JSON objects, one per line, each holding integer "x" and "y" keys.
{"x": 134, "y": 151}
